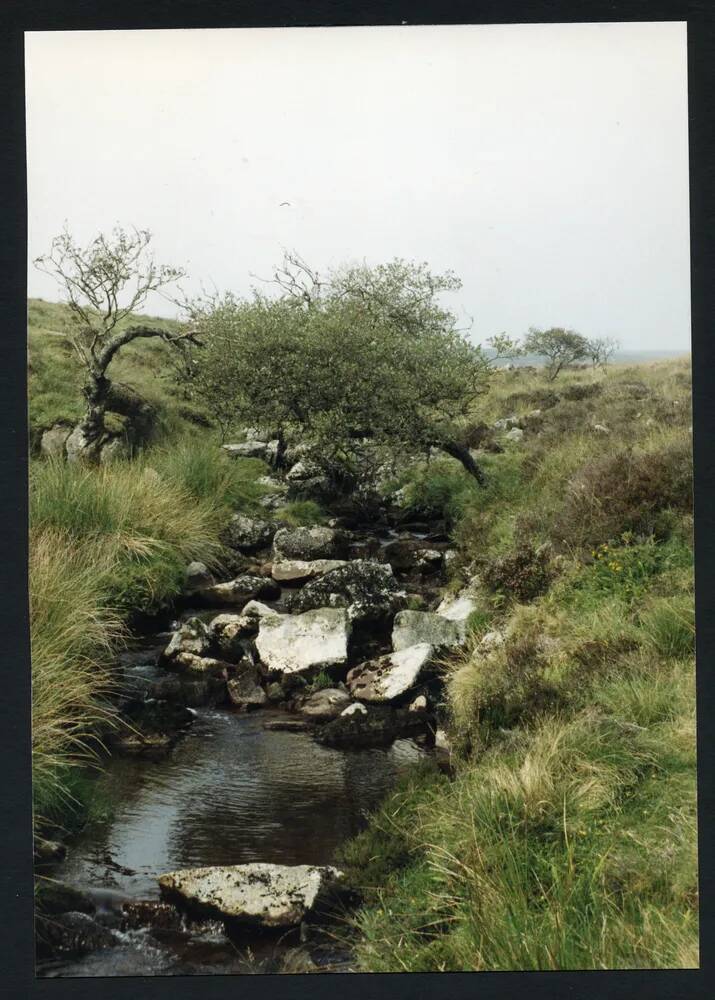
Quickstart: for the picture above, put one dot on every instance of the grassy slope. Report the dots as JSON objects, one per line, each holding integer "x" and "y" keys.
{"x": 568, "y": 837}
{"x": 108, "y": 542}
{"x": 55, "y": 378}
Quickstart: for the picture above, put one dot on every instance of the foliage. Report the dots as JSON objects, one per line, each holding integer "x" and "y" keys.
{"x": 369, "y": 354}
{"x": 559, "y": 346}
{"x": 301, "y": 513}
{"x": 521, "y": 574}
{"x": 437, "y": 491}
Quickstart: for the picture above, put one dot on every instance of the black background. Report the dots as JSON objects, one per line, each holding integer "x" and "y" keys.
{"x": 16, "y": 894}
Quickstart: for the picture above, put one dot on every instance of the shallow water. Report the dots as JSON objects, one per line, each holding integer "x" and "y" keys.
{"x": 229, "y": 792}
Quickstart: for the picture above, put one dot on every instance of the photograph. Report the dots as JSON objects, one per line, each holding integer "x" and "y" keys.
{"x": 360, "y": 448}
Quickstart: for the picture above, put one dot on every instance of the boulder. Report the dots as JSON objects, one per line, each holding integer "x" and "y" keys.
{"x": 368, "y": 590}
{"x": 113, "y": 450}
{"x": 191, "y": 637}
{"x": 243, "y": 588}
{"x": 248, "y": 534}
{"x": 299, "y": 570}
{"x": 406, "y": 554}
{"x": 307, "y": 478}
{"x": 308, "y": 544}
{"x": 79, "y": 448}
{"x": 515, "y": 434}
{"x": 419, "y": 704}
{"x": 247, "y": 449}
{"x": 388, "y": 677}
{"x": 267, "y": 895}
{"x": 411, "y": 628}
{"x": 52, "y": 442}
{"x": 227, "y": 632}
{"x": 305, "y": 642}
{"x": 325, "y": 704}
{"x": 378, "y": 726}
{"x": 197, "y": 577}
{"x": 245, "y": 690}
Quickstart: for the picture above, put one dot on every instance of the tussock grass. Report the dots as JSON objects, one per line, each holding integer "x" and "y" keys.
{"x": 108, "y": 542}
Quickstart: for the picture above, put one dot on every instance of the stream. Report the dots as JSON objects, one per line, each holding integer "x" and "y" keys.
{"x": 228, "y": 792}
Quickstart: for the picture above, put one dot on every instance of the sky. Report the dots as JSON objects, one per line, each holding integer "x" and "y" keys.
{"x": 547, "y": 165}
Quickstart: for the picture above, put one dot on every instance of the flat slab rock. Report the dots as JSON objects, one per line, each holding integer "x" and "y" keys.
{"x": 413, "y": 627}
{"x": 390, "y": 676}
{"x": 457, "y": 609}
{"x": 290, "y": 644}
{"x": 296, "y": 570}
{"x": 265, "y": 894}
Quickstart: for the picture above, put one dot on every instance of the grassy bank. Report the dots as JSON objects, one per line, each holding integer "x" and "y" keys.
{"x": 567, "y": 838}
{"x": 107, "y": 543}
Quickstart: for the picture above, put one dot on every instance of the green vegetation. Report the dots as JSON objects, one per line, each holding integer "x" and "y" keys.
{"x": 301, "y": 513}
{"x": 567, "y": 837}
{"x": 108, "y": 542}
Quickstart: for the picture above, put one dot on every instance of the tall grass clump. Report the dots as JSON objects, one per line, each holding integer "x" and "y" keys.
{"x": 73, "y": 632}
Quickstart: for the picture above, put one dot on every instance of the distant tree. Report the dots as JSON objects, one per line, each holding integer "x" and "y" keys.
{"x": 104, "y": 284}
{"x": 366, "y": 355}
{"x": 601, "y": 350}
{"x": 502, "y": 347}
{"x": 560, "y": 347}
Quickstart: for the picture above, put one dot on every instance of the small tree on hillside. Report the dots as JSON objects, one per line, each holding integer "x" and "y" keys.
{"x": 105, "y": 283}
{"x": 601, "y": 351}
{"x": 560, "y": 347}
{"x": 367, "y": 355}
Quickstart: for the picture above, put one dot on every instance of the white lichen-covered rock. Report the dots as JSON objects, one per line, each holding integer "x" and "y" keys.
{"x": 390, "y": 676}
{"x": 356, "y": 708}
{"x": 298, "y": 570}
{"x": 411, "y": 628}
{"x": 264, "y": 894}
{"x": 366, "y": 589}
{"x": 52, "y": 443}
{"x": 248, "y": 534}
{"x": 308, "y": 544}
{"x": 457, "y": 609}
{"x": 246, "y": 449}
{"x": 418, "y": 705}
{"x": 506, "y": 423}
{"x": 304, "y": 643}
{"x": 243, "y": 588}
{"x": 515, "y": 434}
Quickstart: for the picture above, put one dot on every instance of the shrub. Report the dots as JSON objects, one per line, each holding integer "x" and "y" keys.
{"x": 439, "y": 491}
{"x": 624, "y": 491}
{"x": 522, "y": 574}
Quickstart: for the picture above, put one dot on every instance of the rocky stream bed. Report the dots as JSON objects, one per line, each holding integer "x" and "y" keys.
{"x": 260, "y": 725}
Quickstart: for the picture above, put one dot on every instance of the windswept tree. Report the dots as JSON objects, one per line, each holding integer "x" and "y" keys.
{"x": 560, "y": 347}
{"x": 601, "y": 351}
{"x": 366, "y": 355}
{"x": 104, "y": 284}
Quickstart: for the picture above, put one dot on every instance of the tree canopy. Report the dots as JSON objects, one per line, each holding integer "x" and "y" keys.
{"x": 368, "y": 354}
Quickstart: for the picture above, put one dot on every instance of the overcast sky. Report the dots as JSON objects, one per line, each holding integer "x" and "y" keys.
{"x": 547, "y": 165}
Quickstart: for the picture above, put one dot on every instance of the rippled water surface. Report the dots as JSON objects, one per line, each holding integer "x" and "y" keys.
{"x": 229, "y": 792}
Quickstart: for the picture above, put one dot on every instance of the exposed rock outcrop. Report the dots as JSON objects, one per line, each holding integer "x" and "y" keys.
{"x": 304, "y": 643}
{"x": 368, "y": 591}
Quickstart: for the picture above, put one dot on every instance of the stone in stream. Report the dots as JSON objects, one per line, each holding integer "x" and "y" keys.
{"x": 405, "y": 554}
{"x": 368, "y": 590}
{"x": 413, "y": 627}
{"x": 248, "y": 534}
{"x": 308, "y": 544}
{"x": 246, "y": 587}
{"x": 299, "y": 570}
{"x": 388, "y": 677}
{"x": 245, "y": 690}
{"x": 264, "y": 894}
{"x": 378, "y": 726}
{"x": 304, "y": 643}
{"x": 191, "y": 637}
{"x": 71, "y": 934}
{"x": 325, "y": 704}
